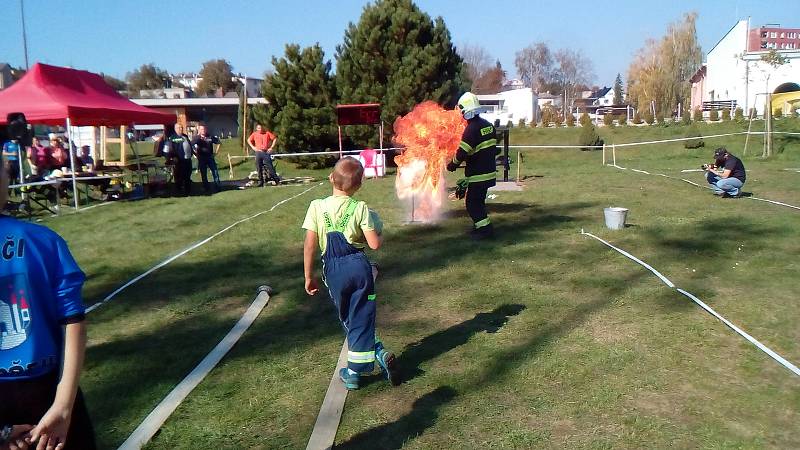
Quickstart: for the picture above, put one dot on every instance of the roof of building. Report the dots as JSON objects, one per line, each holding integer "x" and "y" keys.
{"x": 4, "y": 66}
{"x": 600, "y": 92}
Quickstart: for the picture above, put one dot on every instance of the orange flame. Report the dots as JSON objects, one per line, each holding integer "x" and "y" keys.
{"x": 430, "y": 135}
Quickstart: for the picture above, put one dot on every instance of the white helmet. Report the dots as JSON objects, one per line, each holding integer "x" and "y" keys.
{"x": 469, "y": 105}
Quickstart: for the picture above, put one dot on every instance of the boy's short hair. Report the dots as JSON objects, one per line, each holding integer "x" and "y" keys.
{"x": 347, "y": 174}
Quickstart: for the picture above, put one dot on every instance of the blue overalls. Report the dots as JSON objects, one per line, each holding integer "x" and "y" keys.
{"x": 348, "y": 275}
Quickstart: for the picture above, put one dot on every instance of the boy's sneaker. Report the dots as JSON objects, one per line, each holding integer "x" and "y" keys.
{"x": 388, "y": 364}
{"x": 350, "y": 380}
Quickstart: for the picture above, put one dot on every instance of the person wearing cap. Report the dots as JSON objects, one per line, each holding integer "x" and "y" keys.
{"x": 478, "y": 148}
{"x": 729, "y": 182}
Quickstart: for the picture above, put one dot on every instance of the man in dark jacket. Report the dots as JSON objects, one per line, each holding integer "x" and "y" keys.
{"x": 178, "y": 148}
{"x": 478, "y": 148}
{"x": 204, "y": 146}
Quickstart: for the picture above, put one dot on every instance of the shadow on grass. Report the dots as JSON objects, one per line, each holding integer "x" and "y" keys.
{"x": 422, "y": 416}
{"x": 708, "y": 238}
{"x": 443, "y": 341}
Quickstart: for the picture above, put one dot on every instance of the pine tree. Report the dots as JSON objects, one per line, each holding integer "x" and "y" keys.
{"x": 618, "y": 93}
{"x": 301, "y": 94}
{"x": 397, "y": 56}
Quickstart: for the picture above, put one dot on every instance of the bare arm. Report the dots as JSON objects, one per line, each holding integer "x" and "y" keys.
{"x": 374, "y": 240}
{"x": 272, "y": 147}
{"x": 309, "y": 248}
{"x": 52, "y": 428}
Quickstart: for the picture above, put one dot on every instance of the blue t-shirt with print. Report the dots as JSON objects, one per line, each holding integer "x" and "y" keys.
{"x": 40, "y": 290}
{"x": 12, "y": 148}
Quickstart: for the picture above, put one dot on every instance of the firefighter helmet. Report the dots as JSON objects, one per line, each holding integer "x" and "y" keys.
{"x": 469, "y": 105}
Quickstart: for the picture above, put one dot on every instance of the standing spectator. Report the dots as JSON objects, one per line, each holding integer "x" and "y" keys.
{"x": 43, "y": 338}
{"x": 39, "y": 158}
{"x": 205, "y": 148}
{"x": 263, "y": 144}
{"x": 179, "y": 147}
{"x": 11, "y": 155}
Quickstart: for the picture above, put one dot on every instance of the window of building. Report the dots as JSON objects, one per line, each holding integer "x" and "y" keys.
{"x": 773, "y": 34}
{"x": 765, "y": 35}
{"x": 783, "y": 35}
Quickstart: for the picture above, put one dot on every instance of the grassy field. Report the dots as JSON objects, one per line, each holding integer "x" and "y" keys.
{"x": 539, "y": 338}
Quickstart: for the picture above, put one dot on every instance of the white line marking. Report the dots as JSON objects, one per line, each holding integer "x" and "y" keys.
{"x": 666, "y": 281}
{"x": 324, "y": 433}
{"x": 151, "y": 424}
{"x": 189, "y": 249}
{"x": 773, "y": 201}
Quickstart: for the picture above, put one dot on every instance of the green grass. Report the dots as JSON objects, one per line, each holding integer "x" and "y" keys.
{"x": 540, "y": 338}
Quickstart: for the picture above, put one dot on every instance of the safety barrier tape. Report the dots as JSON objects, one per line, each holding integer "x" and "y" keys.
{"x": 189, "y": 249}
{"x": 782, "y": 361}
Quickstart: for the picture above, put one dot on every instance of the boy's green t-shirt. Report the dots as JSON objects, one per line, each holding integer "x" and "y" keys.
{"x": 335, "y": 206}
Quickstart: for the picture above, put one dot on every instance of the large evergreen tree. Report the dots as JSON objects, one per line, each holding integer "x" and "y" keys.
{"x": 301, "y": 95}
{"x": 618, "y": 92}
{"x": 397, "y": 56}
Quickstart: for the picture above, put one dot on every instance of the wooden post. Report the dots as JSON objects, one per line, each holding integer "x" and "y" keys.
{"x": 604, "y": 153}
{"x": 614, "y": 154}
{"x": 519, "y": 164}
{"x": 103, "y": 131}
{"x": 123, "y": 141}
{"x": 230, "y": 167}
{"x": 245, "y": 148}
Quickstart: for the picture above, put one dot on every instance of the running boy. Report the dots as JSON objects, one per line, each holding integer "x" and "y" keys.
{"x": 342, "y": 227}
{"x": 42, "y": 337}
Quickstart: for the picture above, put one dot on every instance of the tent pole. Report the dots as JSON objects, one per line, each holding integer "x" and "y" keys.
{"x": 72, "y": 163}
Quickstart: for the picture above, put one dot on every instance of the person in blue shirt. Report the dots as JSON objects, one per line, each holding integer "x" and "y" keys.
{"x": 11, "y": 151}
{"x": 42, "y": 335}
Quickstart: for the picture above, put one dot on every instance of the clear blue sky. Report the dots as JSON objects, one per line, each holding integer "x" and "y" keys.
{"x": 116, "y": 37}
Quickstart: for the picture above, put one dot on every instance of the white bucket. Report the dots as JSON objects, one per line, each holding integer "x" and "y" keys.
{"x": 615, "y": 217}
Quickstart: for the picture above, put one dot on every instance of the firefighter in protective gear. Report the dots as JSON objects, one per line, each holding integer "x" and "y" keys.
{"x": 478, "y": 148}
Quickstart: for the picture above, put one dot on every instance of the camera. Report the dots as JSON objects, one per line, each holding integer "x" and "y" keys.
{"x": 705, "y": 166}
{"x": 18, "y": 129}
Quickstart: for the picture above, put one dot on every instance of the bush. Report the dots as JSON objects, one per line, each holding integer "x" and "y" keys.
{"x": 693, "y": 132}
{"x": 713, "y": 115}
{"x": 738, "y": 115}
{"x": 637, "y": 118}
{"x": 533, "y": 124}
{"x": 726, "y": 115}
{"x": 777, "y": 113}
{"x": 558, "y": 120}
{"x": 608, "y": 120}
{"x": 570, "y": 120}
{"x": 510, "y": 124}
{"x": 752, "y": 112}
{"x": 686, "y": 117}
{"x": 648, "y": 117}
{"x": 622, "y": 119}
{"x": 661, "y": 120}
{"x": 589, "y": 137}
{"x": 546, "y": 118}
{"x": 698, "y": 115}
{"x": 585, "y": 120}
{"x": 521, "y": 123}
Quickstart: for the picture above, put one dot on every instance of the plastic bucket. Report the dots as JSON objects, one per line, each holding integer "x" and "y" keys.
{"x": 615, "y": 217}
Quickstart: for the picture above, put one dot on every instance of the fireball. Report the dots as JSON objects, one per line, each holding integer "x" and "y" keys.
{"x": 430, "y": 135}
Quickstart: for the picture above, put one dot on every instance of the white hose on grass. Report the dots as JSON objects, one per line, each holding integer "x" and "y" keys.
{"x": 782, "y": 361}
{"x": 110, "y": 296}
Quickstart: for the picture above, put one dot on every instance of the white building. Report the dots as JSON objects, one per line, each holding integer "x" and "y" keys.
{"x": 510, "y": 106}
{"x": 733, "y": 74}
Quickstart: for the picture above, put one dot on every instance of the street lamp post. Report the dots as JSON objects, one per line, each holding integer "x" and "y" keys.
{"x": 24, "y": 34}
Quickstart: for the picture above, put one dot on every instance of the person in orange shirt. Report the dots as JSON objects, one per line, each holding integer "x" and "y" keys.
{"x": 262, "y": 142}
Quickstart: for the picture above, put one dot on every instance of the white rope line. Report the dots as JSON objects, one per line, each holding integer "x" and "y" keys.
{"x": 189, "y": 249}
{"x": 151, "y": 424}
{"x": 782, "y": 361}
{"x": 627, "y": 144}
{"x": 773, "y": 201}
{"x": 703, "y": 187}
{"x": 301, "y": 154}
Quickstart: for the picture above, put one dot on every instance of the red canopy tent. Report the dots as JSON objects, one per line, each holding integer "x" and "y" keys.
{"x": 51, "y": 95}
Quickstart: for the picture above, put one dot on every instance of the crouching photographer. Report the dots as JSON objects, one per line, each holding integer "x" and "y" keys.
{"x": 726, "y": 175}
